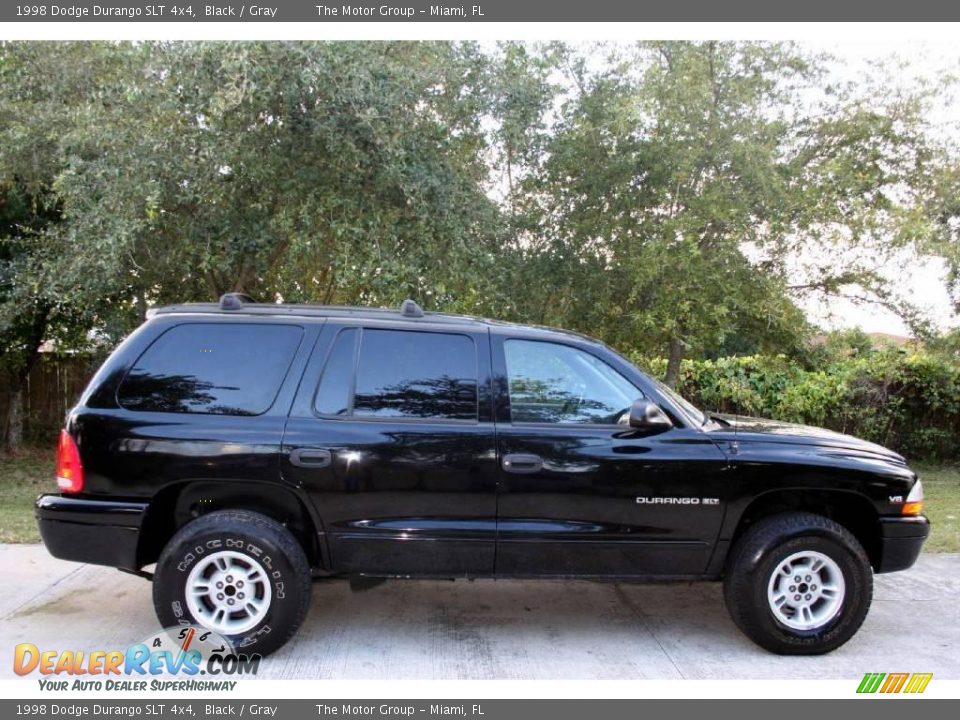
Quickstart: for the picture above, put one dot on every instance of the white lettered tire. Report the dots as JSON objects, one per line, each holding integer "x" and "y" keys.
{"x": 238, "y": 573}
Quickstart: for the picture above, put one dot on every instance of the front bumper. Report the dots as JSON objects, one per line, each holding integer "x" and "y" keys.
{"x": 99, "y": 532}
{"x": 901, "y": 539}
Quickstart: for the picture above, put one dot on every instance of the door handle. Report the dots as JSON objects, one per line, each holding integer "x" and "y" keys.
{"x": 311, "y": 458}
{"x": 522, "y": 463}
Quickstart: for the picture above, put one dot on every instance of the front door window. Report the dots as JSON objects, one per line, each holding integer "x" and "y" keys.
{"x": 554, "y": 383}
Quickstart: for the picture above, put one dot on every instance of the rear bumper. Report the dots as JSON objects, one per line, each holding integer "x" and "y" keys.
{"x": 98, "y": 532}
{"x": 901, "y": 539}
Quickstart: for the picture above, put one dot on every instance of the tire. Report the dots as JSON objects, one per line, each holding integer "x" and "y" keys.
{"x": 758, "y": 592}
{"x": 261, "y": 567}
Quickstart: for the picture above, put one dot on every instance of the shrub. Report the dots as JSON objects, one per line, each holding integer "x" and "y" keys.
{"x": 909, "y": 402}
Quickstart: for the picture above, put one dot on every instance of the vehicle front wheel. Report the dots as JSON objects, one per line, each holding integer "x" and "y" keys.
{"x": 238, "y": 573}
{"x": 798, "y": 584}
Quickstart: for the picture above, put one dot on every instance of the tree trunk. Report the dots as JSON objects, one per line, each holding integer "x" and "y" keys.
{"x": 142, "y": 305}
{"x": 14, "y": 425}
{"x": 213, "y": 285}
{"x": 673, "y": 362}
{"x": 38, "y": 327}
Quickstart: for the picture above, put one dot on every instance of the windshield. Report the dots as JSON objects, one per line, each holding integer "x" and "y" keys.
{"x": 691, "y": 410}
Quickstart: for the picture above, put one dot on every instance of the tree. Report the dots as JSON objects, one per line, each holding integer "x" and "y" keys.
{"x": 308, "y": 171}
{"x": 669, "y": 198}
{"x": 48, "y": 290}
{"x": 938, "y": 222}
{"x": 690, "y": 177}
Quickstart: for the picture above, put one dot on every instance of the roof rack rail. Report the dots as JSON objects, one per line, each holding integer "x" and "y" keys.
{"x": 234, "y": 300}
{"x": 410, "y": 309}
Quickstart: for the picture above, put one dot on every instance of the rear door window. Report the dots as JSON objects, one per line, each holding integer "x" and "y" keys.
{"x": 404, "y": 375}
{"x": 212, "y": 368}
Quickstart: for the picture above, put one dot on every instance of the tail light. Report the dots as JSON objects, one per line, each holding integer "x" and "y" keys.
{"x": 913, "y": 505}
{"x": 69, "y": 469}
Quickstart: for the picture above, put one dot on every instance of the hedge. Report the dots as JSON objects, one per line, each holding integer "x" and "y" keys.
{"x": 909, "y": 402}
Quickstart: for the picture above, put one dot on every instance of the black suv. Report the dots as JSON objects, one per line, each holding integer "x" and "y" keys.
{"x": 247, "y": 449}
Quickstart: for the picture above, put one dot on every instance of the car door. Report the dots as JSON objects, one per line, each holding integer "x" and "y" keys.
{"x": 392, "y": 437}
{"x": 581, "y": 492}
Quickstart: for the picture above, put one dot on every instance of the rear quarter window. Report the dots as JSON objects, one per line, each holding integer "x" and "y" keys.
{"x": 212, "y": 368}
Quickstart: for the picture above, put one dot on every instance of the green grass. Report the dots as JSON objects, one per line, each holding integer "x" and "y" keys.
{"x": 30, "y": 473}
{"x": 941, "y": 488}
{"x": 22, "y": 478}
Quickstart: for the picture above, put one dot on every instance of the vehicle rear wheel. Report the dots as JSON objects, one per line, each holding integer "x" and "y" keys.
{"x": 798, "y": 584}
{"x": 238, "y": 573}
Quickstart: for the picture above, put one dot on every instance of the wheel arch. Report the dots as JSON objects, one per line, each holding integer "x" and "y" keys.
{"x": 848, "y": 508}
{"x": 178, "y": 503}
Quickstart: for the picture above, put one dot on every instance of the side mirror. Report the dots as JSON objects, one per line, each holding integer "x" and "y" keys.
{"x": 647, "y": 415}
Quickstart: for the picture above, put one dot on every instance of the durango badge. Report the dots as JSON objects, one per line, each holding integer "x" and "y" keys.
{"x": 677, "y": 501}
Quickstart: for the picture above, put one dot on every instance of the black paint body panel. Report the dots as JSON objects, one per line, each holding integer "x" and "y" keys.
{"x": 427, "y": 497}
{"x": 99, "y": 532}
{"x": 901, "y": 542}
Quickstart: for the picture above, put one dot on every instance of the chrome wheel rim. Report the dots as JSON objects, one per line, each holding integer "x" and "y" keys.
{"x": 806, "y": 590}
{"x": 228, "y": 592}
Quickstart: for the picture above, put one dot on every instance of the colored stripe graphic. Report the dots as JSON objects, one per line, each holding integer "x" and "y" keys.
{"x": 894, "y": 683}
{"x": 918, "y": 683}
{"x": 870, "y": 682}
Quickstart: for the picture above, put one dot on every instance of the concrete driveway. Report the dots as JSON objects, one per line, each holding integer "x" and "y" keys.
{"x": 500, "y": 629}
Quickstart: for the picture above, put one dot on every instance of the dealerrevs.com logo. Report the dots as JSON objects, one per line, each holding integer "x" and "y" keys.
{"x": 899, "y": 682}
{"x": 187, "y": 652}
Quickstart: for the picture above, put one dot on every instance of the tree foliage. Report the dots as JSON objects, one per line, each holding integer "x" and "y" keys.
{"x": 314, "y": 172}
{"x": 670, "y": 197}
{"x": 695, "y": 177}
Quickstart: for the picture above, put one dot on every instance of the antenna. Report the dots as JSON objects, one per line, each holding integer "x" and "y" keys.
{"x": 410, "y": 309}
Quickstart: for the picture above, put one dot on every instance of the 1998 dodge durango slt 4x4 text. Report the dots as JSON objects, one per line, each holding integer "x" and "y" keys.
{"x": 246, "y": 449}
